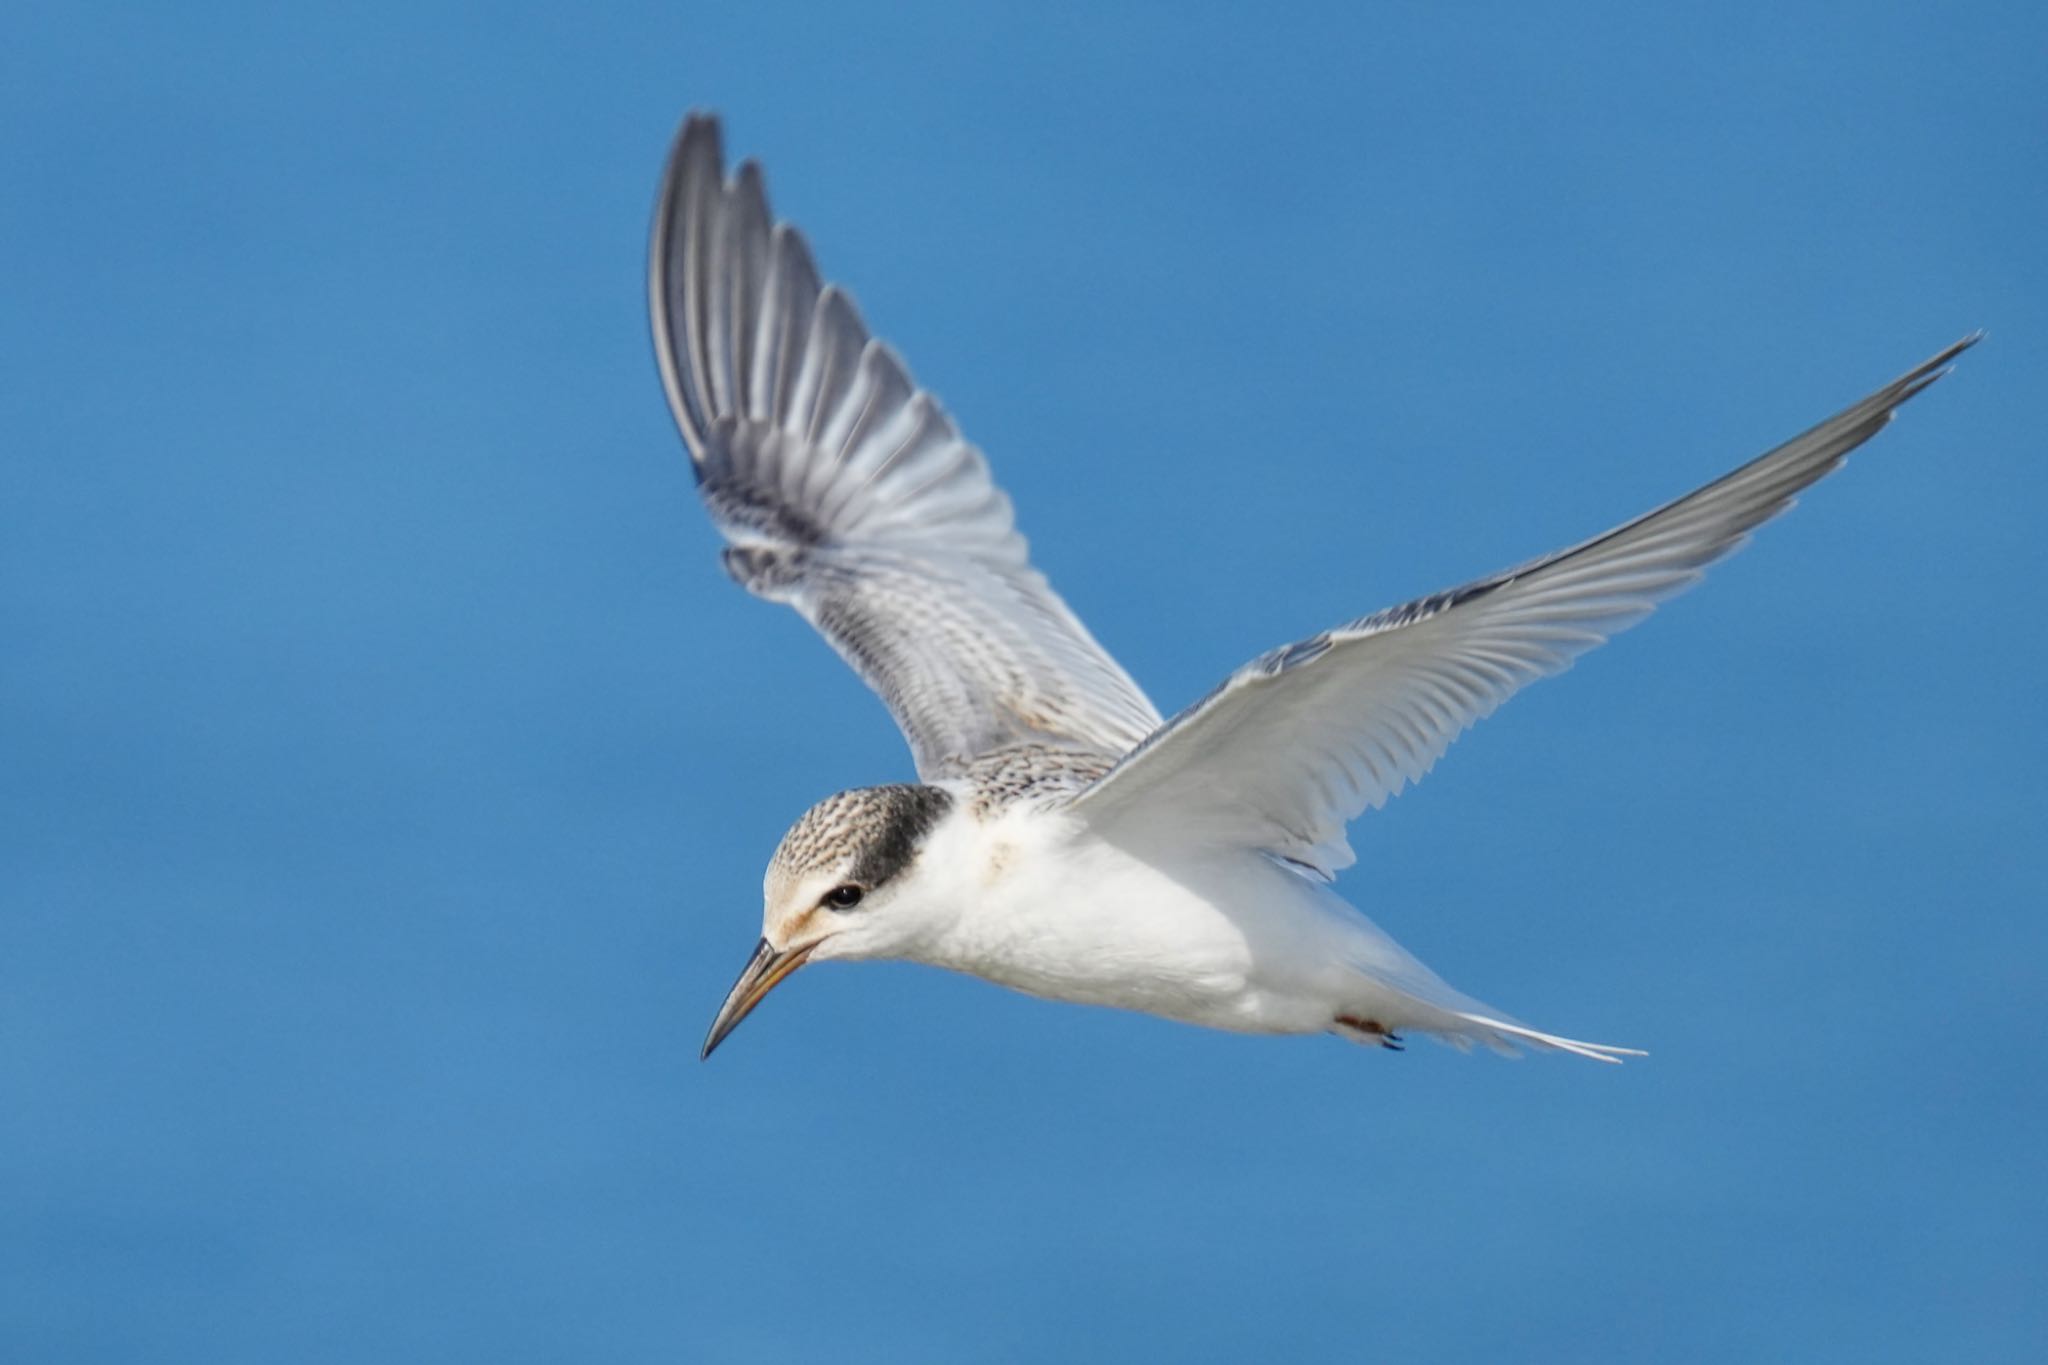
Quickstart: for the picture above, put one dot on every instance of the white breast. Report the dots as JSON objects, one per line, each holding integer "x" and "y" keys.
{"x": 1229, "y": 941}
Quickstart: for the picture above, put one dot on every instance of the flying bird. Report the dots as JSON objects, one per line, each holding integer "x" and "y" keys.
{"x": 1062, "y": 838}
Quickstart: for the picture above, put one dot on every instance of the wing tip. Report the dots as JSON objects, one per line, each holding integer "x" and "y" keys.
{"x": 700, "y": 126}
{"x": 1922, "y": 377}
{"x": 697, "y": 146}
{"x": 1965, "y": 343}
{"x": 1934, "y": 367}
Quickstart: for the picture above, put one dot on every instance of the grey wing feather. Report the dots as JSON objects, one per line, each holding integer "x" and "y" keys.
{"x": 1300, "y": 741}
{"x": 846, "y": 491}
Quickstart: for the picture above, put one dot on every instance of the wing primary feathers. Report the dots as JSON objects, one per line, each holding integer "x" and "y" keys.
{"x": 1379, "y": 700}
{"x": 845, "y": 490}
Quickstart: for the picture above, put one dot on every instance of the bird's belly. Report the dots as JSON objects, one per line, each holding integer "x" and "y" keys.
{"x": 1102, "y": 927}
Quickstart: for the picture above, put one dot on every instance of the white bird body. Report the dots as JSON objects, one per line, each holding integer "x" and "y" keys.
{"x": 1063, "y": 839}
{"x": 1034, "y": 900}
{"x": 1045, "y": 907}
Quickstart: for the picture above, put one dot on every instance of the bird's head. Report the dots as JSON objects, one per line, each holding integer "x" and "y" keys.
{"x": 842, "y": 883}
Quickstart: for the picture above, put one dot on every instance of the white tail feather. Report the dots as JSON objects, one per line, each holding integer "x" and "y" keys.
{"x": 1497, "y": 1032}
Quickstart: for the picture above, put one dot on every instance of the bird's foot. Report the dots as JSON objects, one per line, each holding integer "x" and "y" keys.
{"x": 1373, "y": 1031}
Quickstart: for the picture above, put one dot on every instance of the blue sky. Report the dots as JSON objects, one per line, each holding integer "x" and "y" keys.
{"x": 386, "y": 769}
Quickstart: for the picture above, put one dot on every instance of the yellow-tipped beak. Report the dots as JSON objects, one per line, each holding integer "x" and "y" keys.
{"x": 764, "y": 970}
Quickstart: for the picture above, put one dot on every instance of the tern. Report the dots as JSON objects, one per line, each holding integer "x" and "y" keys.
{"x": 1062, "y": 838}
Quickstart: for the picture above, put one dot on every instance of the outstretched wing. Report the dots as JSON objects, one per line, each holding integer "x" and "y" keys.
{"x": 1302, "y": 740}
{"x": 844, "y": 490}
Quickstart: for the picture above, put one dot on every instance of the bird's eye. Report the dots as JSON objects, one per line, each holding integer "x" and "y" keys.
{"x": 843, "y": 897}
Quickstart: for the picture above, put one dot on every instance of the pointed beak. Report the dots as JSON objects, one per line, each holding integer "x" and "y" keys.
{"x": 764, "y": 970}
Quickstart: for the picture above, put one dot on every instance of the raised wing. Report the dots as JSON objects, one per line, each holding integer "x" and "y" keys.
{"x": 1302, "y": 740}
{"x": 844, "y": 490}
